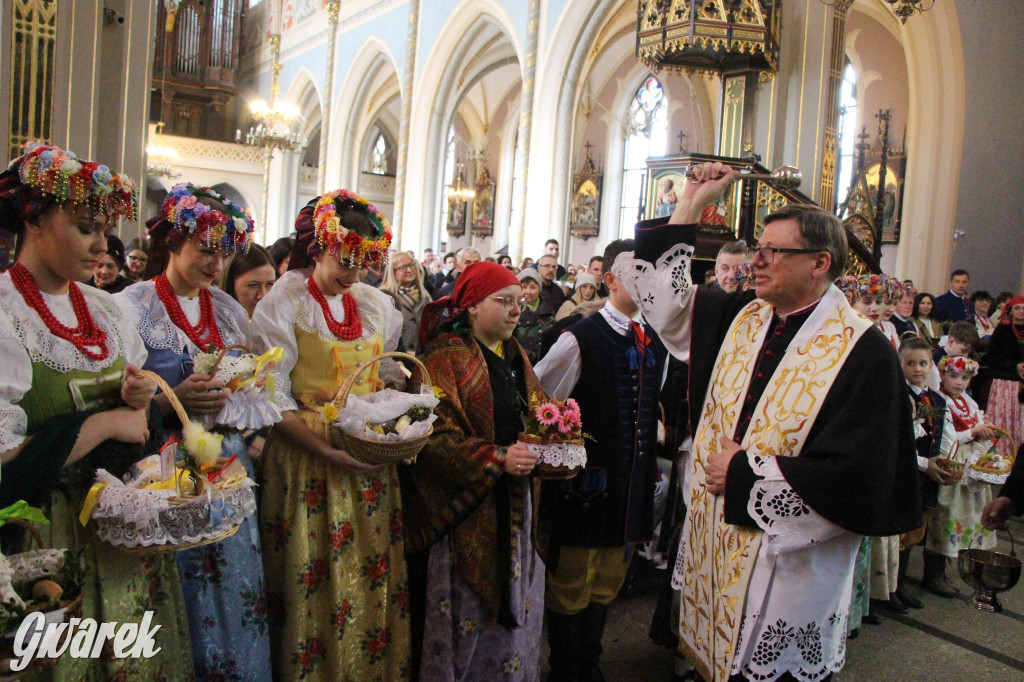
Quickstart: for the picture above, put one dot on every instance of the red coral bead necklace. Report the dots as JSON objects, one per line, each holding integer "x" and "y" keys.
{"x": 84, "y": 336}
{"x": 349, "y": 330}
{"x": 205, "y": 334}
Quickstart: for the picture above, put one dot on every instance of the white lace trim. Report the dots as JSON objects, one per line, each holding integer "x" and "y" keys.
{"x": 670, "y": 274}
{"x": 26, "y": 566}
{"x": 808, "y": 651}
{"x": 21, "y": 322}
{"x": 148, "y": 315}
{"x": 308, "y": 316}
{"x": 131, "y": 517}
{"x": 569, "y": 455}
{"x": 787, "y": 521}
{"x": 245, "y": 410}
{"x": 13, "y": 426}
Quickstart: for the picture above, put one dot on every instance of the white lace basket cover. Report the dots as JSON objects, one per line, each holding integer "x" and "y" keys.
{"x": 129, "y": 516}
{"x": 987, "y": 476}
{"x": 563, "y": 455}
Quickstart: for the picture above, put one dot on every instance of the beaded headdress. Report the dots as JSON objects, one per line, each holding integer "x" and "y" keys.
{"x": 347, "y": 245}
{"x": 854, "y": 286}
{"x": 958, "y": 364}
{"x": 51, "y": 172}
{"x": 190, "y": 218}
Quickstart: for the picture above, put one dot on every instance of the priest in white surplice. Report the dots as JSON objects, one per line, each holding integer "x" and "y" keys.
{"x": 802, "y": 440}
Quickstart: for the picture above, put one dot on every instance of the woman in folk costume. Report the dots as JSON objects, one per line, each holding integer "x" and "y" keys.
{"x": 178, "y": 314}
{"x": 877, "y": 568}
{"x": 70, "y": 398}
{"x": 331, "y": 525}
{"x": 469, "y": 502}
{"x": 1005, "y": 363}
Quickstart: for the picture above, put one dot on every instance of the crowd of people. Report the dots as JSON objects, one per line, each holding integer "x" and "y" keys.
{"x": 798, "y": 422}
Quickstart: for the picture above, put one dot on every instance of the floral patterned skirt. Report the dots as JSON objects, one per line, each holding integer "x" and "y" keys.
{"x": 337, "y": 592}
{"x": 461, "y": 641}
{"x": 227, "y": 607}
{"x": 860, "y": 604}
{"x": 956, "y": 521}
{"x": 1004, "y": 410}
{"x": 885, "y": 566}
{"x": 121, "y": 588}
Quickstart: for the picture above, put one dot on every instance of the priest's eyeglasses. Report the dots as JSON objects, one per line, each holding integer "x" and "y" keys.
{"x": 508, "y": 301}
{"x": 767, "y": 253}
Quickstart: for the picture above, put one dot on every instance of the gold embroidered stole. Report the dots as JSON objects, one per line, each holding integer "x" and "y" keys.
{"x": 719, "y": 558}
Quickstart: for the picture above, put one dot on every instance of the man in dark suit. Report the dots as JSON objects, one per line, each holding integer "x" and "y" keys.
{"x": 953, "y": 306}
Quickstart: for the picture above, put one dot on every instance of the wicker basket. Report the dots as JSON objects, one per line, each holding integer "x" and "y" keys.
{"x": 952, "y": 467}
{"x": 184, "y": 497}
{"x": 545, "y": 470}
{"x": 376, "y": 451}
{"x": 72, "y": 608}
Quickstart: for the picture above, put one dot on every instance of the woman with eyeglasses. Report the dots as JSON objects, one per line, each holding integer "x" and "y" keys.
{"x": 403, "y": 281}
{"x": 136, "y": 260}
{"x": 476, "y": 582}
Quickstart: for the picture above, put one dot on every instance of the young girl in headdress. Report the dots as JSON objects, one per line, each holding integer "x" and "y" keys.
{"x": 331, "y": 525}
{"x": 178, "y": 314}
{"x": 70, "y": 398}
{"x": 955, "y": 522}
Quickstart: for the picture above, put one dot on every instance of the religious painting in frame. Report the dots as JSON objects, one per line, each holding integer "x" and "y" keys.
{"x": 585, "y": 213}
{"x": 665, "y": 186}
{"x": 892, "y": 200}
{"x": 456, "y": 225}
{"x": 483, "y": 206}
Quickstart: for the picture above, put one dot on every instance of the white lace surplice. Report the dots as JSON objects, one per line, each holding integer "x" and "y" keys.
{"x": 797, "y": 603}
{"x": 25, "y": 339}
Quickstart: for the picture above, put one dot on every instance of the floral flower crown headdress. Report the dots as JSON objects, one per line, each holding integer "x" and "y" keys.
{"x": 958, "y": 364}
{"x": 195, "y": 220}
{"x": 52, "y": 171}
{"x": 855, "y": 286}
{"x": 347, "y": 245}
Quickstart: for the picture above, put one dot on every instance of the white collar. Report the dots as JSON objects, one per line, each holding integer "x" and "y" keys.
{"x": 617, "y": 319}
{"x": 918, "y": 390}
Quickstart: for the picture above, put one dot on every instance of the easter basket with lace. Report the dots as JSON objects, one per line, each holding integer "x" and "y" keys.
{"x": 386, "y": 426}
{"x": 167, "y": 504}
{"x": 554, "y": 434}
{"x": 249, "y": 387}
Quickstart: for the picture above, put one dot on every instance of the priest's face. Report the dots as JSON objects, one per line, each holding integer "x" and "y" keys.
{"x": 792, "y": 280}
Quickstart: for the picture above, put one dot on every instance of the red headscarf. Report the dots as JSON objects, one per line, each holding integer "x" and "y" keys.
{"x": 1005, "y": 317}
{"x": 477, "y": 282}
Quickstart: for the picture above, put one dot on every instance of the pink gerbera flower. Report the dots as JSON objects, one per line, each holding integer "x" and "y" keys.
{"x": 567, "y": 422}
{"x": 547, "y": 414}
{"x": 572, "y": 407}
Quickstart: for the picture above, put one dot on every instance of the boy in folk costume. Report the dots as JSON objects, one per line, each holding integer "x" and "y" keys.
{"x": 935, "y": 439}
{"x": 956, "y": 520}
{"x": 613, "y": 365}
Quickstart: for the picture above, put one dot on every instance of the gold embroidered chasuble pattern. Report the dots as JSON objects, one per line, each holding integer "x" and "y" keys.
{"x": 718, "y": 557}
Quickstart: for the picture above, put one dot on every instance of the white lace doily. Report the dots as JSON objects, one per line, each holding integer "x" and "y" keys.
{"x": 245, "y": 410}
{"x": 569, "y": 455}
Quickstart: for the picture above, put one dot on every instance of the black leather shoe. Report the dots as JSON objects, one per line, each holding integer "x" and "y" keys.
{"x": 906, "y": 598}
{"x": 854, "y": 634}
{"x": 891, "y": 605}
{"x": 871, "y": 619}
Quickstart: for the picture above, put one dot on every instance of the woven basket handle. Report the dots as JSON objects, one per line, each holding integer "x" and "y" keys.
{"x": 223, "y": 354}
{"x": 172, "y": 397}
{"x": 341, "y": 398}
{"x": 33, "y": 531}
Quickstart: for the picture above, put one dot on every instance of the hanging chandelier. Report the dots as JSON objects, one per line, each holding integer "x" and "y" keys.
{"x": 905, "y": 9}
{"x": 460, "y": 190}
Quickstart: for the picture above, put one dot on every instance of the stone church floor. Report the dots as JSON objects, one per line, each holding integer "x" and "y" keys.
{"x": 947, "y": 640}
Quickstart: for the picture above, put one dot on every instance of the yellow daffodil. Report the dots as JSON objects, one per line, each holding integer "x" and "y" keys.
{"x": 328, "y": 413}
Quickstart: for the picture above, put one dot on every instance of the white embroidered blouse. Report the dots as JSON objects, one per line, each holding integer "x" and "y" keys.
{"x": 25, "y": 339}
